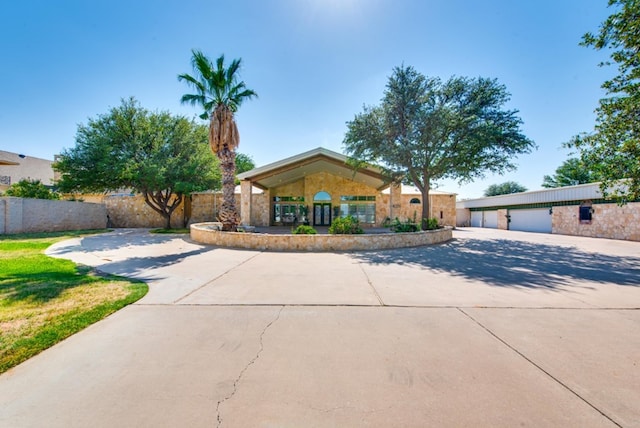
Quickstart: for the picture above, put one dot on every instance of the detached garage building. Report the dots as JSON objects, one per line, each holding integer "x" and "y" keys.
{"x": 573, "y": 210}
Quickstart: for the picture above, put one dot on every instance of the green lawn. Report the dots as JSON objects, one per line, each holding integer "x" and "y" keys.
{"x": 43, "y": 300}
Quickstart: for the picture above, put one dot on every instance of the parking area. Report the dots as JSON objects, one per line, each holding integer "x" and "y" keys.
{"x": 494, "y": 328}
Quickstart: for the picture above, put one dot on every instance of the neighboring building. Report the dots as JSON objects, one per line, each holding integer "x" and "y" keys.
{"x": 15, "y": 167}
{"x": 572, "y": 210}
{"x": 318, "y": 186}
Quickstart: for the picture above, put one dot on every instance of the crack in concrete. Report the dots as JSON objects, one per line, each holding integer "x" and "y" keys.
{"x": 375, "y": 292}
{"x": 242, "y": 372}
{"x": 533, "y": 363}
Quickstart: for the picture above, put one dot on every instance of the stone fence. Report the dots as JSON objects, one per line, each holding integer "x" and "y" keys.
{"x": 24, "y": 215}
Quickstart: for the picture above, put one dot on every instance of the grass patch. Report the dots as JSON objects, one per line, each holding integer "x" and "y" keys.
{"x": 177, "y": 230}
{"x": 44, "y": 300}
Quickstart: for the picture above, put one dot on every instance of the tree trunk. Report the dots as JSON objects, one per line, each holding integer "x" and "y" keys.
{"x": 228, "y": 215}
{"x": 425, "y": 206}
{"x": 164, "y": 203}
{"x": 167, "y": 221}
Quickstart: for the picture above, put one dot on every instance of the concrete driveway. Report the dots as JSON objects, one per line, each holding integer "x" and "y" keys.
{"x": 494, "y": 328}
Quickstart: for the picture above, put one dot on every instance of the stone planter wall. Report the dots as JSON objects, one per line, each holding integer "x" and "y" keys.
{"x": 201, "y": 232}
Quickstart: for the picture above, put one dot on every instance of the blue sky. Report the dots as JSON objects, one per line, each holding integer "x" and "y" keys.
{"x": 313, "y": 63}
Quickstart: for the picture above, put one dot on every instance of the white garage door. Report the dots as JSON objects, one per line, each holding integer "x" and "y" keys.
{"x": 476, "y": 218}
{"x": 531, "y": 220}
{"x": 491, "y": 219}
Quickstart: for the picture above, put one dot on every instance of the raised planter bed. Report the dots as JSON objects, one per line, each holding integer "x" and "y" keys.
{"x": 207, "y": 233}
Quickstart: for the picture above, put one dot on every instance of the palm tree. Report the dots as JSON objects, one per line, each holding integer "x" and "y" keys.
{"x": 220, "y": 94}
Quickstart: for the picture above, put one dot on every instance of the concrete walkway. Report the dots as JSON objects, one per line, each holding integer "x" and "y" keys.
{"x": 495, "y": 329}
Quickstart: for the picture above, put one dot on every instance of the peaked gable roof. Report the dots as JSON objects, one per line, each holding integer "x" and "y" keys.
{"x": 296, "y": 167}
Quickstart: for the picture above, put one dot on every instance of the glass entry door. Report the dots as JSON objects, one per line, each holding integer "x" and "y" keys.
{"x": 322, "y": 214}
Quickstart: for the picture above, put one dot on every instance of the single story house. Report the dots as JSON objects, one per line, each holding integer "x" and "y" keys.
{"x": 318, "y": 186}
{"x": 572, "y": 210}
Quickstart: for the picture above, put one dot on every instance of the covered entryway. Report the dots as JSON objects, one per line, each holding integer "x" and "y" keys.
{"x": 531, "y": 220}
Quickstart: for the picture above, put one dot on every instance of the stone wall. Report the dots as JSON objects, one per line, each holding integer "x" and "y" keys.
{"x": 24, "y": 215}
{"x": 265, "y": 241}
{"x": 133, "y": 211}
{"x": 503, "y": 219}
{"x": 608, "y": 221}
{"x": 463, "y": 217}
{"x": 205, "y": 207}
{"x": 441, "y": 207}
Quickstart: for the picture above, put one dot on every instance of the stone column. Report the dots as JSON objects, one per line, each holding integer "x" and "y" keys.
{"x": 395, "y": 200}
{"x": 245, "y": 202}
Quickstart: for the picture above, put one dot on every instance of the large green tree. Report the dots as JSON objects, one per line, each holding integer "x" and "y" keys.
{"x": 613, "y": 148}
{"x": 505, "y": 188}
{"x": 572, "y": 172}
{"x": 426, "y": 129}
{"x": 161, "y": 156}
{"x": 219, "y": 93}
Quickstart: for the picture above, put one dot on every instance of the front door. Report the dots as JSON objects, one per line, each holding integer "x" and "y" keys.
{"x": 322, "y": 214}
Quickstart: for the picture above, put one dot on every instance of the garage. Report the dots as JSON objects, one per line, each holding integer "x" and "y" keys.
{"x": 491, "y": 219}
{"x": 531, "y": 220}
{"x": 476, "y": 218}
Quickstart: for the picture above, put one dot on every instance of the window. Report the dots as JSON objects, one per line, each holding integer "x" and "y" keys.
{"x": 361, "y": 207}
{"x": 586, "y": 212}
{"x": 414, "y": 201}
{"x": 357, "y": 198}
{"x": 322, "y": 196}
{"x": 288, "y": 208}
{"x": 288, "y": 199}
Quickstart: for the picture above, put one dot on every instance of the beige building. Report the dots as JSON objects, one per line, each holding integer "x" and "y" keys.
{"x": 15, "y": 167}
{"x": 318, "y": 186}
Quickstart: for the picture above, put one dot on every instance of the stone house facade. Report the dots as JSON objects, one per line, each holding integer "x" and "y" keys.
{"x": 318, "y": 186}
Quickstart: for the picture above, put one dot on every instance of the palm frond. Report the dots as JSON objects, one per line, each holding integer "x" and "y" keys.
{"x": 193, "y": 99}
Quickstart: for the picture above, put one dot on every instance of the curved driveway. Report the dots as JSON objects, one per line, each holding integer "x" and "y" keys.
{"x": 494, "y": 328}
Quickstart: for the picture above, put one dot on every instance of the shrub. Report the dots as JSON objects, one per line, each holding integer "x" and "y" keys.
{"x": 432, "y": 223}
{"x": 403, "y": 226}
{"x": 26, "y": 188}
{"x": 348, "y": 225}
{"x": 304, "y": 230}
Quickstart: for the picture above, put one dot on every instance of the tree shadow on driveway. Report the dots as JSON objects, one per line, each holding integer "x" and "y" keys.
{"x": 133, "y": 267}
{"x": 512, "y": 263}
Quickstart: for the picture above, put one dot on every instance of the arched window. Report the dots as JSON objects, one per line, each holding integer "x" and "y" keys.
{"x": 414, "y": 201}
{"x": 322, "y": 196}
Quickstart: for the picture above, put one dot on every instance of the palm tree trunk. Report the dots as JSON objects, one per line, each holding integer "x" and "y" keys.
{"x": 228, "y": 215}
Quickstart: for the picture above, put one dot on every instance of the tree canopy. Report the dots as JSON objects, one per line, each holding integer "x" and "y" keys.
{"x": 244, "y": 163}
{"x": 35, "y": 189}
{"x": 504, "y": 188}
{"x": 426, "y": 129}
{"x": 219, "y": 92}
{"x": 161, "y": 156}
{"x": 572, "y": 172}
{"x": 613, "y": 148}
